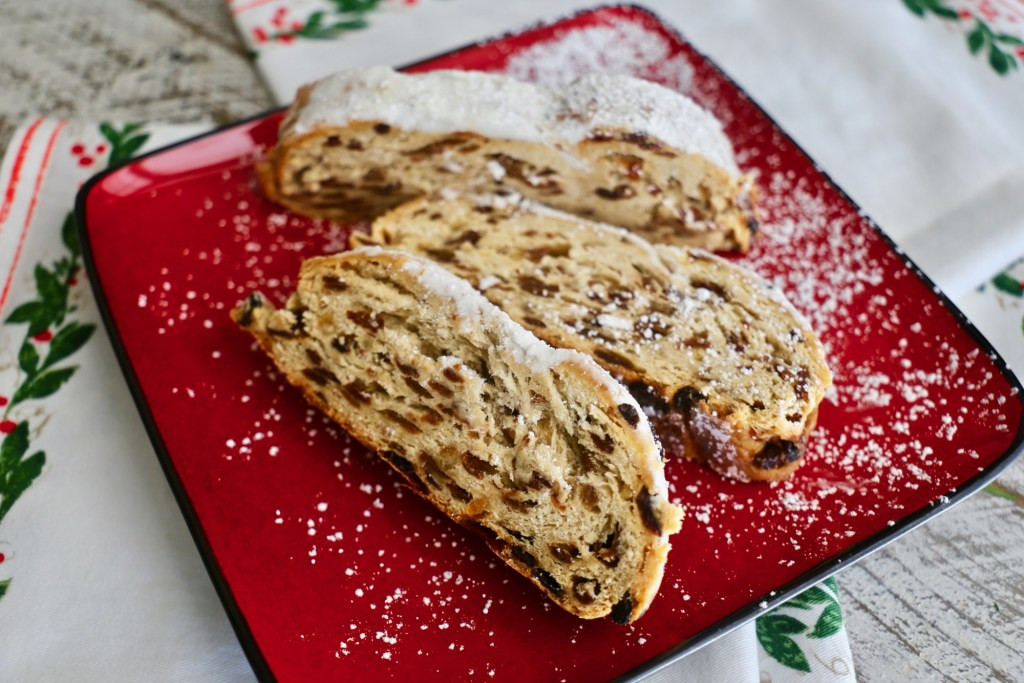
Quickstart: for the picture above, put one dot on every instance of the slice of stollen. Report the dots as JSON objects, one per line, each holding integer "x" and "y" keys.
{"x": 727, "y": 370}
{"x": 538, "y": 447}
{"x": 616, "y": 148}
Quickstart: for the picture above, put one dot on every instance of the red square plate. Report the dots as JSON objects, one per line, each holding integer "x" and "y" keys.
{"x": 330, "y": 570}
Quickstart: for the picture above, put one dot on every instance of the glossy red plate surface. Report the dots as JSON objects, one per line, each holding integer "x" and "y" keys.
{"x": 330, "y": 570}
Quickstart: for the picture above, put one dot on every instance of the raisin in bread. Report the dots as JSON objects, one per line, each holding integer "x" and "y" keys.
{"x": 538, "y": 447}
{"x": 727, "y": 370}
{"x": 615, "y": 148}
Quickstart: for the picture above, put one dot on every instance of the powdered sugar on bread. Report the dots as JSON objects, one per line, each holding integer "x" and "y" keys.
{"x": 504, "y": 108}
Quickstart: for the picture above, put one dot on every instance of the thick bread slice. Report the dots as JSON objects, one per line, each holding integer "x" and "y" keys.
{"x": 615, "y": 148}
{"x": 727, "y": 370}
{"x": 538, "y": 447}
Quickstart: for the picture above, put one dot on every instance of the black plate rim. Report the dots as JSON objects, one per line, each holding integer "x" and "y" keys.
{"x": 757, "y": 606}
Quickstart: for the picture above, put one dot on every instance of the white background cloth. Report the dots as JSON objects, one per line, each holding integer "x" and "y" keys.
{"x": 107, "y": 584}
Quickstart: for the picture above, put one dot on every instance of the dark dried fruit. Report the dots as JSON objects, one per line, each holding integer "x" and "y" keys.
{"x": 343, "y": 344}
{"x": 334, "y": 283}
{"x": 417, "y": 388}
{"x": 686, "y": 398}
{"x": 557, "y": 251}
{"x": 711, "y": 287}
{"x": 356, "y": 393}
{"x": 623, "y": 609}
{"x": 432, "y": 472}
{"x": 617, "y": 192}
{"x": 441, "y": 255}
{"x": 382, "y": 128}
{"x": 452, "y": 375}
{"x": 518, "y": 536}
{"x": 777, "y": 453}
{"x": 477, "y": 466}
{"x": 332, "y": 141}
{"x": 548, "y": 581}
{"x": 518, "y": 505}
{"x": 522, "y": 555}
{"x": 471, "y": 236}
{"x": 649, "y": 516}
{"x": 538, "y": 481}
{"x": 401, "y": 420}
{"x": 565, "y": 553}
{"x": 536, "y": 286}
{"x": 370, "y": 321}
{"x": 609, "y": 557}
{"x": 459, "y": 493}
{"x": 355, "y": 145}
{"x": 613, "y": 358}
{"x": 252, "y": 302}
{"x": 603, "y": 443}
{"x": 585, "y": 590}
{"x": 440, "y": 388}
{"x": 534, "y": 322}
{"x": 629, "y": 413}
{"x": 320, "y": 376}
{"x": 407, "y": 369}
{"x": 590, "y": 497}
{"x": 648, "y": 397}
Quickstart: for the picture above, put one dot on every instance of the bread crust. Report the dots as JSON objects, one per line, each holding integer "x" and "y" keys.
{"x": 264, "y": 322}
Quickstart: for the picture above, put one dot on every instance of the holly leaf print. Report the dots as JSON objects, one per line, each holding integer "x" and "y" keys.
{"x": 50, "y": 289}
{"x": 810, "y": 597}
{"x": 915, "y": 6}
{"x": 123, "y": 143}
{"x": 829, "y": 622}
{"x": 69, "y": 235}
{"x": 68, "y": 339}
{"x": 1002, "y": 282}
{"x": 976, "y": 40}
{"x": 1007, "y": 39}
{"x": 774, "y": 631}
{"x": 42, "y": 385}
{"x": 28, "y": 358}
{"x": 3, "y": 587}
{"x": 16, "y": 474}
{"x": 998, "y": 59}
{"x": 831, "y": 583}
{"x": 20, "y": 478}
{"x": 13, "y": 447}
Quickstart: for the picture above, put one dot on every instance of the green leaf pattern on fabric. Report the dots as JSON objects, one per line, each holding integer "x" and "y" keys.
{"x": 776, "y": 629}
{"x": 49, "y": 330}
{"x": 1004, "y": 50}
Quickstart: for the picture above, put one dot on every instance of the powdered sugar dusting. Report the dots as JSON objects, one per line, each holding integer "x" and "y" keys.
{"x": 505, "y": 108}
{"x": 617, "y": 49}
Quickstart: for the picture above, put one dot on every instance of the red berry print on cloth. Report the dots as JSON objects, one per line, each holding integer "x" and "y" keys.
{"x": 43, "y": 336}
{"x": 342, "y": 16}
{"x": 987, "y": 30}
{"x": 4, "y": 401}
{"x": 7, "y": 426}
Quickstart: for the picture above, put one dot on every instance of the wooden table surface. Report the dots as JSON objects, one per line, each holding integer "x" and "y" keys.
{"x": 945, "y": 602}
